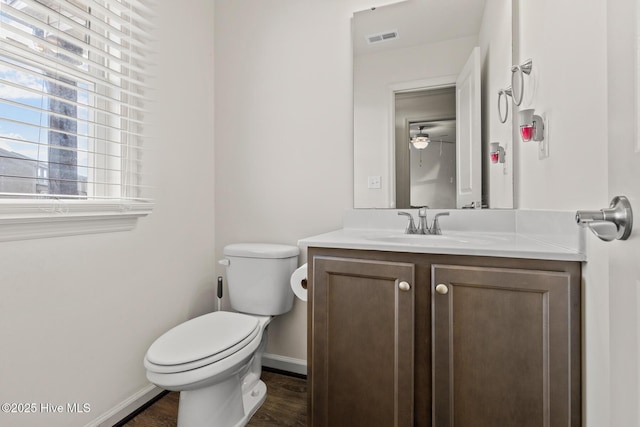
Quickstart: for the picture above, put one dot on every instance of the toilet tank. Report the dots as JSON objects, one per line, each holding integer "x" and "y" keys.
{"x": 258, "y": 277}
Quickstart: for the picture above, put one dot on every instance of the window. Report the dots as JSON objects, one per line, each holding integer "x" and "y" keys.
{"x": 73, "y": 94}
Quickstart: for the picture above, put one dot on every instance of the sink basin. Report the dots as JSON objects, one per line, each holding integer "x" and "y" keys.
{"x": 432, "y": 239}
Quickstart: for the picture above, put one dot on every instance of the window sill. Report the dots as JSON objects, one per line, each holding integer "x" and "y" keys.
{"x": 36, "y": 219}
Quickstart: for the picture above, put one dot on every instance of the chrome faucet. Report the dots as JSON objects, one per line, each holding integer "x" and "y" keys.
{"x": 423, "y": 227}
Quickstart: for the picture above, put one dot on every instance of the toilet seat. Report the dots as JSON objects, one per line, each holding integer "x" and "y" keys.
{"x": 201, "y": 341}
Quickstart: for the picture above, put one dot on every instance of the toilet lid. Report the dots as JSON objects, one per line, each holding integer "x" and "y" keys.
{"x": 201, "y": 338}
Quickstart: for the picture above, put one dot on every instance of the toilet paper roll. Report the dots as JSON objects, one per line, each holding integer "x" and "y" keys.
{"x": 299, "y": 282}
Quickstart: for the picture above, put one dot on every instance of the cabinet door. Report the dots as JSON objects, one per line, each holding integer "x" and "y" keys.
{"x": 502, "y": 347}
{"x": 361, "y": 372}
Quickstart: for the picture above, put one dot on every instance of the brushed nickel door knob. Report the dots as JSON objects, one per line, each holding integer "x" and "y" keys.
{"x": 442, "y": 289}
{"x": 404, "y": 286}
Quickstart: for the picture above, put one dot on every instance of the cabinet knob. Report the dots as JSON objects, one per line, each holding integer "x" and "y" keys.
{"x": 442, "y": 289}
{"x": 404, "y": 286}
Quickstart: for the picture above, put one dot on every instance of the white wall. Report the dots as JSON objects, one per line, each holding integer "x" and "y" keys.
{"x": 375, "y": 74}
{"x": 78, "y": 313}
{"x": 568, "y": 86}
{"x": 284, "y": 153}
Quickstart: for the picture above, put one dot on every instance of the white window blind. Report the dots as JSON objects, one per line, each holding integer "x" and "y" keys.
{"x": 74, "y": 93}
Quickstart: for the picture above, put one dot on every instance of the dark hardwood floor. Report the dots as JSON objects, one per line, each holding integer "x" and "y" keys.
{"x": 286, "y": 405}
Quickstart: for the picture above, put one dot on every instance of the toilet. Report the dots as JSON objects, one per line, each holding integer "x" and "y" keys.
{"x": 215, "y": 360}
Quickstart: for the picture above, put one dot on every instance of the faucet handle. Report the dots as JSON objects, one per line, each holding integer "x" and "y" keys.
{"x": 411, "y": 227}
{"x": 435, "y": 228}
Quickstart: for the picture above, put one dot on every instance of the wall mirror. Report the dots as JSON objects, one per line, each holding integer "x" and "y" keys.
{"x": 431, "y": 67}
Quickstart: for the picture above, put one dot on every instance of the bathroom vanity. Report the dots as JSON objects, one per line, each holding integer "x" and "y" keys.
{"x": 480, "y": 328}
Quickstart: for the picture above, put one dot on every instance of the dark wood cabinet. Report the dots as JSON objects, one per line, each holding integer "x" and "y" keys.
{"x": 497, "y": 343}
{"x": 502, "y": 347}
{"x": 363, "y": 352}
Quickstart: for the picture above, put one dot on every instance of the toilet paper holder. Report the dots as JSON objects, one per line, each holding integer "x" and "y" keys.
{"x": 612, "y": 223}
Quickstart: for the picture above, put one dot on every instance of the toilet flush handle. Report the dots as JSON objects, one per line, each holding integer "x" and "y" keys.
{"x": 224, "y": 262}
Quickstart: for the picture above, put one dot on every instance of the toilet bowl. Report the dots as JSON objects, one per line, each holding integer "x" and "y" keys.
{"x": 215, "y": 360}
{"x": 209, "y": 371}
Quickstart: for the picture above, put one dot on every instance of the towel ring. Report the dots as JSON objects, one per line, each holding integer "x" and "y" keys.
{"x": 506, "y": 93}
{"x": 520, "y": 70}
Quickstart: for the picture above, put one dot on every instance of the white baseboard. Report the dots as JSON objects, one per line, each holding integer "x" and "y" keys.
{"x": 126, "y": 407}
{"x": 283, "y": 363}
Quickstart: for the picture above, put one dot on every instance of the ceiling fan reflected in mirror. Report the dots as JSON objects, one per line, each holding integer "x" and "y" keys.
{"x": 439, "y": 131}
{"x": 420, "y": 140}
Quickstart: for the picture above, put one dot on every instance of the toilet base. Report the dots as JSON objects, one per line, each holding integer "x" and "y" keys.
{"x": 222, "y": 405}
{"x": 253, "y": 399}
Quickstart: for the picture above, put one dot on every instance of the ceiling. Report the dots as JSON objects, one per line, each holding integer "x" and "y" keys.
{"x": 417, "y": 22}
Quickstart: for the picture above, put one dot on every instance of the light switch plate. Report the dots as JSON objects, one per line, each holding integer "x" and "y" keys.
{"x": 374, "y": 182}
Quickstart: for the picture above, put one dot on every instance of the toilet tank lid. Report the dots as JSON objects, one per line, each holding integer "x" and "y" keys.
{"x": 261, "y": 250}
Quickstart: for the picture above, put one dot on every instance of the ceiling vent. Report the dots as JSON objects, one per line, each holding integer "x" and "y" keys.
{"x": 382, "y": 37}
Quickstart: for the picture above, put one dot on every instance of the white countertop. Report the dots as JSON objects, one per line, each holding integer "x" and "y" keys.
{"x": 541, "y": 235}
